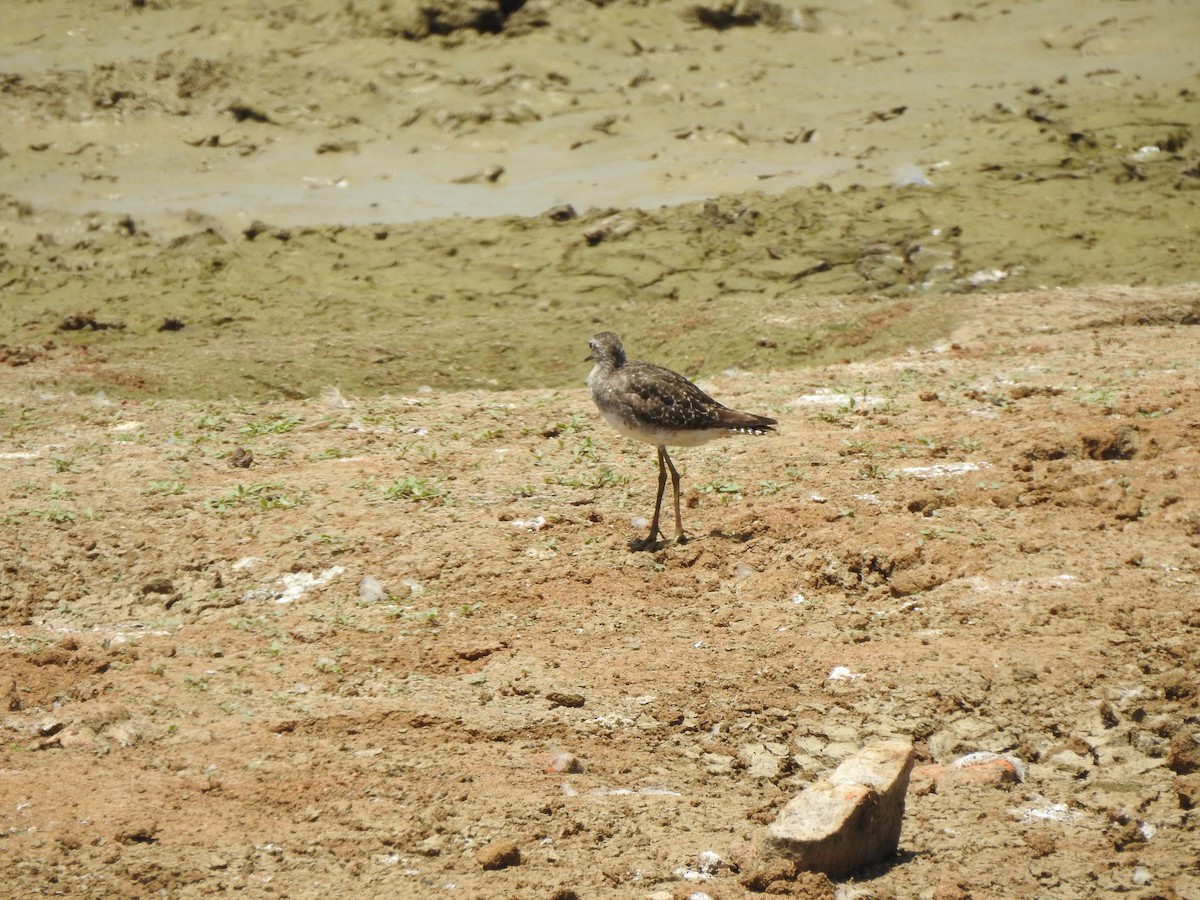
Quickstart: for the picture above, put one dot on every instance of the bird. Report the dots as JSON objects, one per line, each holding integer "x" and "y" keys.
{"x": 653, "y": 404}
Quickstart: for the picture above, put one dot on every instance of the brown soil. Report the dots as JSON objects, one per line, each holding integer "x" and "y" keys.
{"x": 998, "y": 537}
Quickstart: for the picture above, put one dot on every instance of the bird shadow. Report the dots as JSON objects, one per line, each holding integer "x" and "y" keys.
{"x": 737, "y": 537}
{"x": 642, "y": 545}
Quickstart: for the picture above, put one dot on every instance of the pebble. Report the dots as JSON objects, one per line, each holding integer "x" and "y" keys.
{"x": 973, "y": 768}
{"x": 563, "y": 763}
{"x": 499, "y": 855}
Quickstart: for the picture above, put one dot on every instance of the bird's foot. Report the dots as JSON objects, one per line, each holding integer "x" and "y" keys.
{"x": 652, "y": 542}
{"x": 647, "y": 543}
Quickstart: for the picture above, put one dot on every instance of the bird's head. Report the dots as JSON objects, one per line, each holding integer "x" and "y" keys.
{"x": 606, "y": 349}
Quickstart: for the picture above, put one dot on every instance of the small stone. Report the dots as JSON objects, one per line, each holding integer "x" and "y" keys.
{"x": 563, "y": 763}
{"x": 974, "y": 768}
{"x": 1187, "y": 790}
{"x": 141, "y": 833}
{"x": 158, "y": 586}
{"x": 1183, "y": 757}
{"x": 851, "y": 819}
{"x": 499, "y": 855}
{"x": 614, "y": 226}
{"x": 561, "y": 698}
{"x": 241, "y": 458}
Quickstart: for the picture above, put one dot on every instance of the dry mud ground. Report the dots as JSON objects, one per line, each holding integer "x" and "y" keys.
{"x": 997, "y": 537}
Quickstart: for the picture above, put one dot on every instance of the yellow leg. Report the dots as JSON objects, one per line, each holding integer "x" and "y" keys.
{"x": 651, "y": 539}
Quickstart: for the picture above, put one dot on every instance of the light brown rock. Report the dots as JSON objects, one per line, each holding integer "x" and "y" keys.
{"x": 851, "y": 819}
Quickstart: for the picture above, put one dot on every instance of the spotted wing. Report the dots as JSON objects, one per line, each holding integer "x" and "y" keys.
{"x": 665, "y": 399}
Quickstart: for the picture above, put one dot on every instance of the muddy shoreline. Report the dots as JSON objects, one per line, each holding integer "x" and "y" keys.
{"x": 886, "y": 153}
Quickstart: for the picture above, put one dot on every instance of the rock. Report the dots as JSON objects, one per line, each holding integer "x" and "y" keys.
{"x": 563, "y": 698}
{"x": 851, "y": 819}
{"x": 764, "y": 760}
{"x": 562, "y": 763}
{"x": 973, "y": 768}
{"x": 614, "y": 226}
{"x": 138, "y": 833}
{"x": 1183, "y": 757}
{"x": 1187, "y": 791}
{"x": 499, "y": 855}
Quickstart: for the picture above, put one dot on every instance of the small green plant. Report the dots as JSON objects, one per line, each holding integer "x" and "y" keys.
{"x": 859, "y": 447}
{"x": 421, "y": 616}
{"x": 584, "y": 450}
{"x": 165, "y": 488}
{"x": 592, "y": 478}
{"x": 281, "y": 424}
{"x": 61, "y": 465}
{"x": 265, "y": 495}
{"x": 58, "y": 492}
{"x": 195, "y": 684}
{"x": 968, "y": 443}
{"x": 937, "y": 534}
{"x": 211, "y": 422}
{"x": 716, "y": 486}
{"x": 55, "y": 514}
{"x": 414, "y": 488}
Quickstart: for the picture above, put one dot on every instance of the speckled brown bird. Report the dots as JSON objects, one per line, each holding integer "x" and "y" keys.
{"x": 653, "y": 404}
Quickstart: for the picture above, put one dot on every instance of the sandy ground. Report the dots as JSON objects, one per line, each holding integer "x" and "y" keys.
{"x": 314, "y": 576}
{"x": 349, "y": 666}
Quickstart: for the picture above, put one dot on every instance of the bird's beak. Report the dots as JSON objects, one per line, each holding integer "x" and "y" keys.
{"x": 591, "y": 357}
